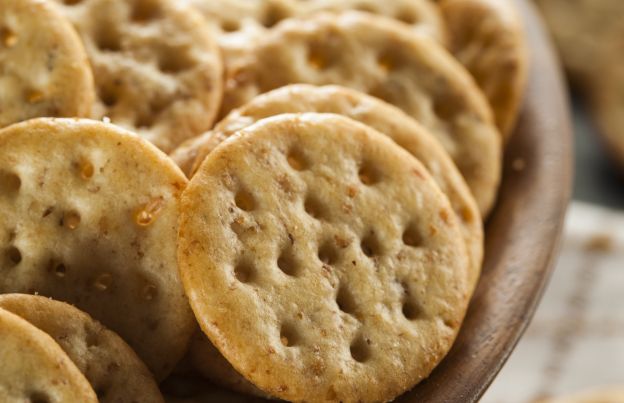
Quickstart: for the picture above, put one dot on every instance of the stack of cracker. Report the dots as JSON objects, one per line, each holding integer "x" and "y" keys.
{"x": 283, "y": 197}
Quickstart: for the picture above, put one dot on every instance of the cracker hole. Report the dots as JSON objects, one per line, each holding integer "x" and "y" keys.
{"x": 412, "y": 236}
{"x": 411, "y": 310}
{"x": 175, "y": 60}
{"x": 245, "y": 271}
{"x": 145, "y": 10}
{"x": 149, "y": 292}
{"x": 58, "y": 269}
{"x": 10, "y": 183}
{"x": 315, "y": 208}
{"x": 107, "y": 39}
{"x": 8, "y": 38}
{"x": 346, "y": 301}
{"x": 287, "y": 263}
{"x": 103, "y": 282}
{"x": 446, "y": 108}
{"x": 360, "y": 349}
{"x": 13, "y": 256}
{"x": 368, "y": 174}
{"x": 70, "y": 220}
{"x": 72, "y": 2}
{"x": 386, "y": 63}
{"x": 273, "y": 15}
{"x": 328, "y": 253}
{"x": 289, "y": 335}
{"x": 39, "y": 397}
{"x": 371, "y": 246}
{"x": 296, "y": 160}
{"x": 318, "y": 58}
{"x": 91, "y": 337}
{"x": 86, "y": 170}
{"x": 230, "y": 26}
{"x": 407, "y": 17}
{"x": 244, "y": 200}
{"x": 146, "y": 214}
{"x": 366, "y": 8}
{"x": 109, "y": 96}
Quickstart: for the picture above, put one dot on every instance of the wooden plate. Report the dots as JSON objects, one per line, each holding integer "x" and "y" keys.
{"x": 522, "y": 238}
{"x": 522, "y": 234}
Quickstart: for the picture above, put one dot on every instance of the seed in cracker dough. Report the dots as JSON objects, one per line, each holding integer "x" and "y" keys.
{"x": 363, "y": 304}
{"x": 75, "y": 189}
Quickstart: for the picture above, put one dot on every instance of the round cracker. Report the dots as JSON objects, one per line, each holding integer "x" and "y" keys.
{"x": 319, "y": 256}
{"x": 112, "y": 368}
{"x": 88, "y": 215}
{"x": 487, "y": 37}
{"x": 44, "y": 69}
{"x": 34, "y": 368}
{"x": 157, "y": 66}
{"x": 380, "y": 57}
{"x": 239, "y": 23}
{"x": 375, "y": 113}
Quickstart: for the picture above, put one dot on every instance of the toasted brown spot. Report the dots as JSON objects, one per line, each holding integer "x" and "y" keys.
{"x": 34, "y": 96}
{"x": 86, "y": 170}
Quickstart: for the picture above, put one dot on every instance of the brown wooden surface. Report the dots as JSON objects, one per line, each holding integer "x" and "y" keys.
{"x": 523, "y": 234}
{"x": 522, "y": 241}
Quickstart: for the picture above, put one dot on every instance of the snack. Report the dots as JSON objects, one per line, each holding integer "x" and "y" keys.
{"x": 157, "y": 67}
{"x": 380, "y": 57}
{"x": 34, "y": 368}
{"x": 189, "y": 389}
{"x": 319, "y": 256}
{"x": 109, "y": 364}
{"x": 44, "y": 70}
{"x": 487, "y": 38}
{"x": 239, "y": 23}
{"x": 88, "y": 215}
{"x": 384, "y": 118}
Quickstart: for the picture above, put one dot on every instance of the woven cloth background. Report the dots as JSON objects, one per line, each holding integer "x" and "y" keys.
{"x": 576, "y": 339}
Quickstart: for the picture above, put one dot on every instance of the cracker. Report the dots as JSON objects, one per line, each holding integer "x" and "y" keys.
{"x": 34, "y": 368}
{"x": 157, "y": 67}
{"x": 239, "y": 23}
{"x": 377, "y": 114}
{"x": 190, "y": 389}
{"x": 382, "y": 58}
{"x": 44, "y": 69}
{"x": 487, "y": 37}
{"x": 319, "y": 256}
{"x": 88, "y": 215}
{"x": 109, "y": 364}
